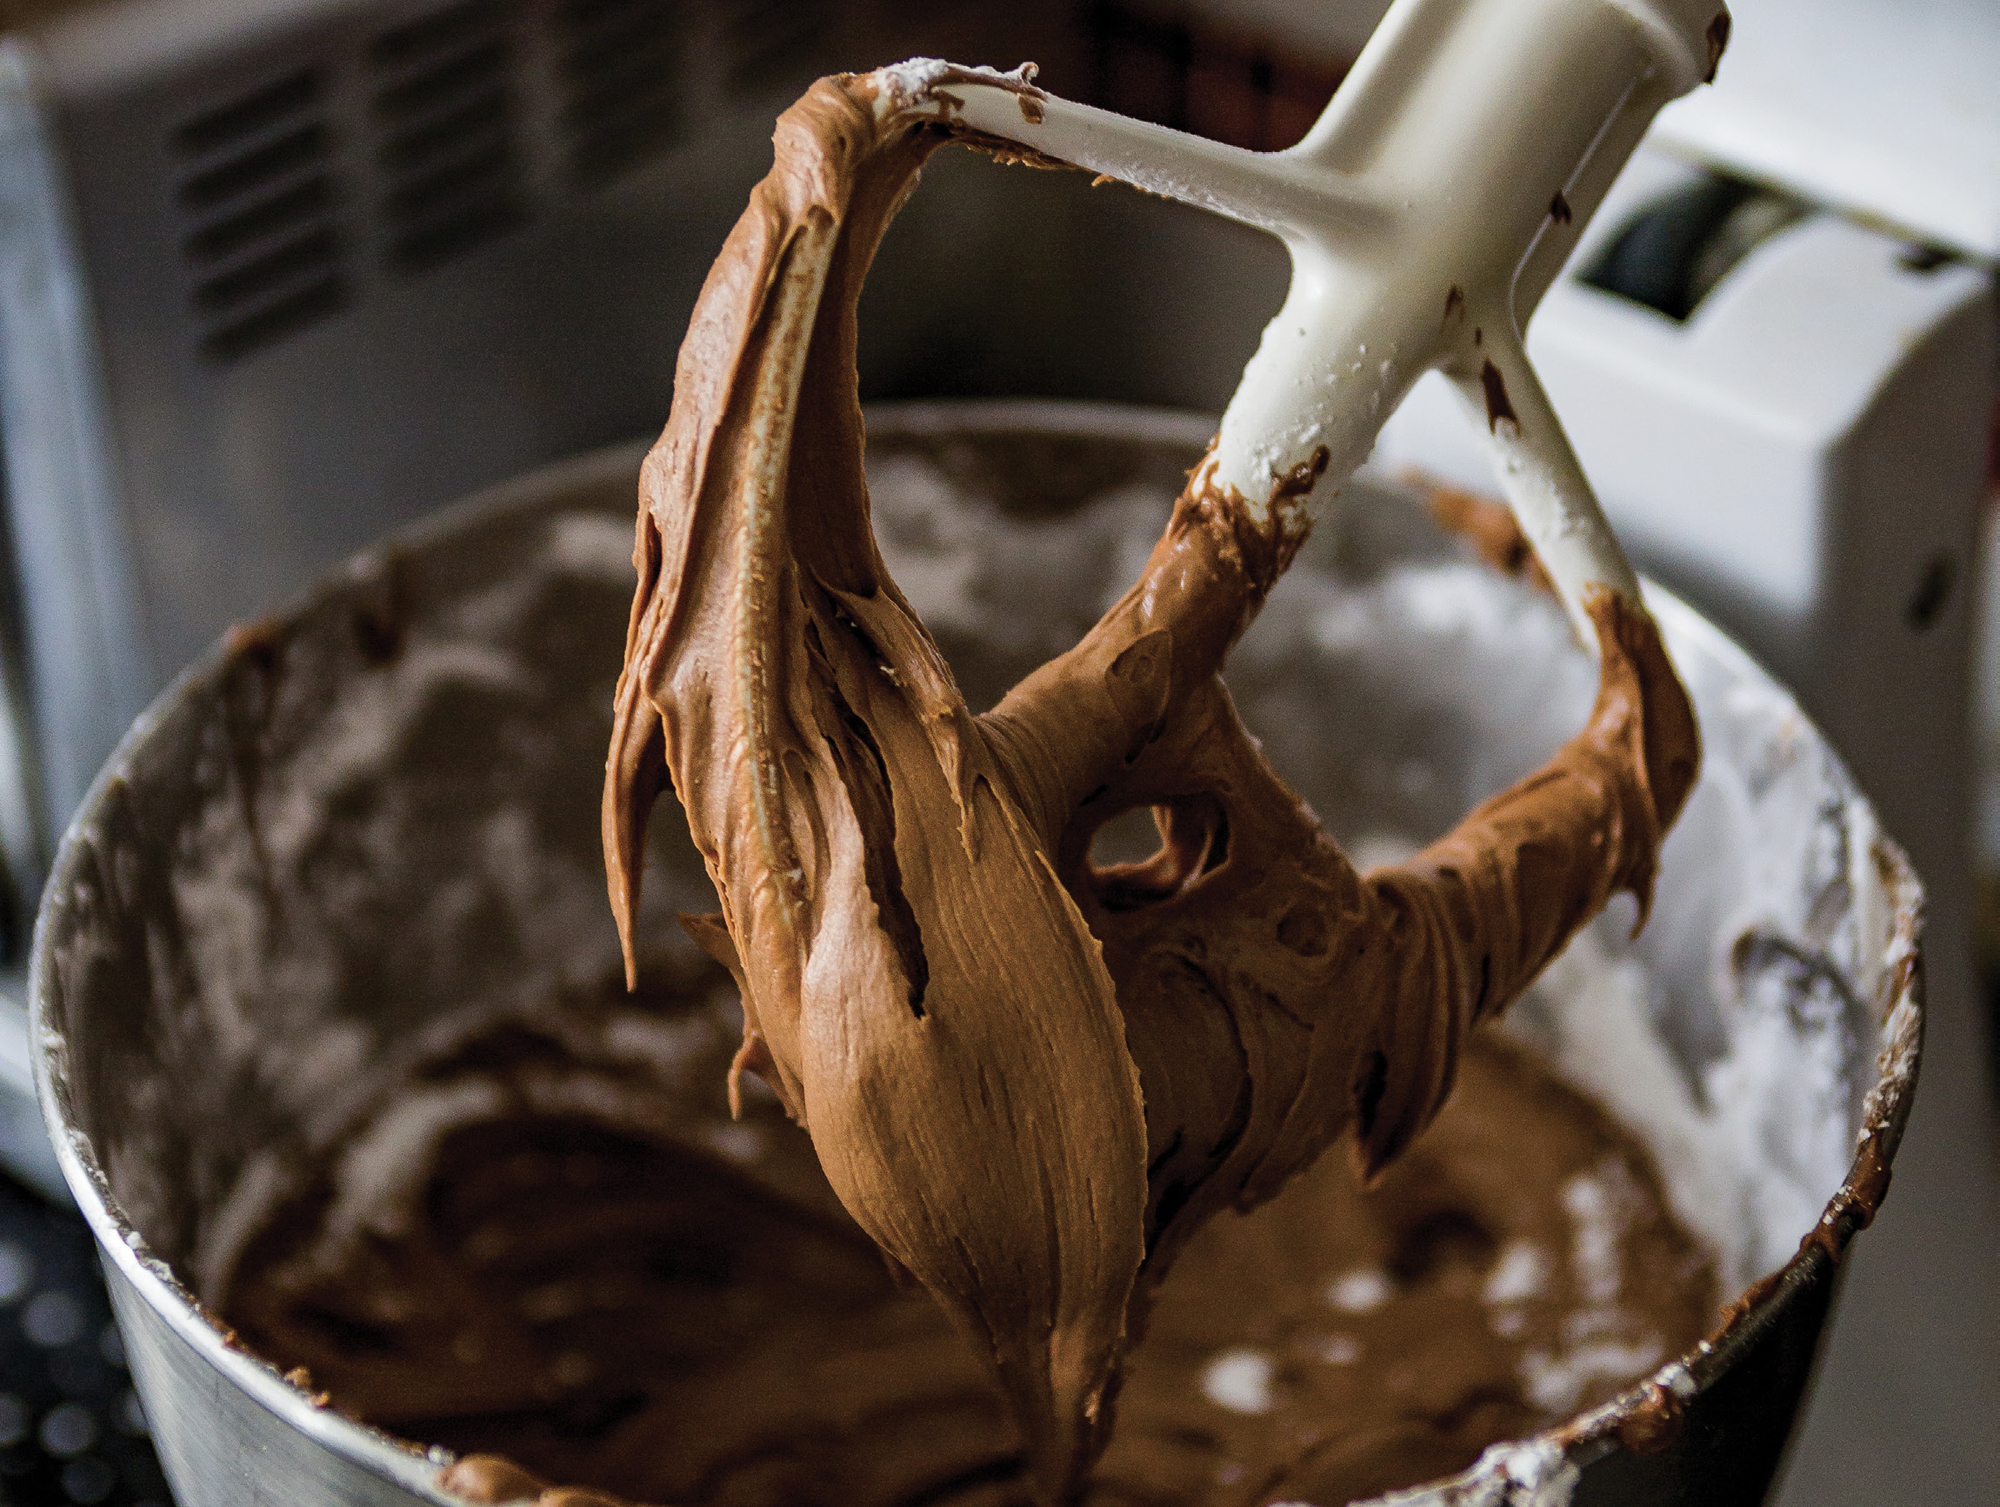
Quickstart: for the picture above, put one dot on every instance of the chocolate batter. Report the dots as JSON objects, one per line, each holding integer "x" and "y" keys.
{"x": 645, "y": 1299}
{"x": 1032, "y": 1080}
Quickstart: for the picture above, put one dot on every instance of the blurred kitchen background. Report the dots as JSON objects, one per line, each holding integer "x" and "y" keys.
{"x": 279, "y": 275}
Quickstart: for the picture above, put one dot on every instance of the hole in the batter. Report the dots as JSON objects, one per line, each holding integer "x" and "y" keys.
{"x": 1190, "y": 840}
{"x": 1129, "y": 837}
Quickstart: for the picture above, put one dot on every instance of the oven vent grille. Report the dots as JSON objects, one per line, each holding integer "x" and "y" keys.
{"x": 1219, "y": 84}
{"x": 405, "y": 146}
{"x": 621, "y": 98}
{"x": 447, "y": 152}
{"x": 258, "y": 200}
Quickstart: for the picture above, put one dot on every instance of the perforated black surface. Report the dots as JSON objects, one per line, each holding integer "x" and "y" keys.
{"x": 71, "y": 1429}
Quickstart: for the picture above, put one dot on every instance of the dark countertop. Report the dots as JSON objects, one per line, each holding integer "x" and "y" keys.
{"x": 71, "y": 1429}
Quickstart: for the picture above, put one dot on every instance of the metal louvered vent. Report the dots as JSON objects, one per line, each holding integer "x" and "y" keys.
{"x": 621, "y": 97}
{"x": 447, "y": 152}
{"x": 258, "y": 198}
{"x": 1218, "y": 84}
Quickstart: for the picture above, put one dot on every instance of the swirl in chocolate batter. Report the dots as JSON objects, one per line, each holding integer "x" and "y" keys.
{"x": 1031, "y": 1079}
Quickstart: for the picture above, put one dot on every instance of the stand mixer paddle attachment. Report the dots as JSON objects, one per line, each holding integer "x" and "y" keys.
{"x": 1031, "y": 1077}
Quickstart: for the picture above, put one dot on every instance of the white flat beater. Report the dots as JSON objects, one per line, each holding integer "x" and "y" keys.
{"x": 1426, "y": 212}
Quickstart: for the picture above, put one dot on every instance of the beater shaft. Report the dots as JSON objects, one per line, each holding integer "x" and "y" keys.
{"x": 1426, "y": 213}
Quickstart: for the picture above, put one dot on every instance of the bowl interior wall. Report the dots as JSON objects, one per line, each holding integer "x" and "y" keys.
{"x": 373, "y": 822}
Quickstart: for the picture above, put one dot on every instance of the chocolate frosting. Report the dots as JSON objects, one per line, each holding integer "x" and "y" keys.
{"x": 597, "y": 1280}
{"x": 1028, "y": 1077}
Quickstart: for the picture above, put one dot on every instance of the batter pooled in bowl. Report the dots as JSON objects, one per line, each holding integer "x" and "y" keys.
{"x": 583, "y": 1271}
{"x": 1031, "y": 1079}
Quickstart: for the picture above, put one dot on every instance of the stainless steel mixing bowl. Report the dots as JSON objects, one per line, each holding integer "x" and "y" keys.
{"x": 352, "y": 825}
